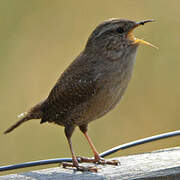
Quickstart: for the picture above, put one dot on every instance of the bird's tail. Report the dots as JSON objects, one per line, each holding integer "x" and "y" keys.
{"x": 18, "y": 123}
{"x": 34, "y": 113}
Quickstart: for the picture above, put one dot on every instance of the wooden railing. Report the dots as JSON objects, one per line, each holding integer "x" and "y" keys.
{"x": 156, "y": 165}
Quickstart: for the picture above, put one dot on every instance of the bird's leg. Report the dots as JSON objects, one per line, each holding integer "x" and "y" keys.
{"x": 68, "y": 133}
{"x": 97, "y": 158}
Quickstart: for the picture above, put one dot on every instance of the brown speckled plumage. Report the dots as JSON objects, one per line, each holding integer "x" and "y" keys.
{"x": 95, "y": 81}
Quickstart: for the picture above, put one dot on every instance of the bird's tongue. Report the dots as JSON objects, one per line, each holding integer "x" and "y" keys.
{"x": 141, "y": 41}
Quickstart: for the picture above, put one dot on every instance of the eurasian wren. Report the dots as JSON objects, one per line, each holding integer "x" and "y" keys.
{"x": 93, "y": 84}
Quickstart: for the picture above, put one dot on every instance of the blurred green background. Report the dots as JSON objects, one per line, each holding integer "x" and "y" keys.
{"x": 39, "y": 39}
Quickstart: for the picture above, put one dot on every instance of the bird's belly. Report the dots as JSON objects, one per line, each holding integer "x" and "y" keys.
{"x": 100, "y": 104}
{"x": 107, "y": 100}
{"x": 106, "y": 97}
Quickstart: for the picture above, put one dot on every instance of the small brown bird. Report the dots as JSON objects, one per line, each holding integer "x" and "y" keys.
{"x": 92, "y": 85}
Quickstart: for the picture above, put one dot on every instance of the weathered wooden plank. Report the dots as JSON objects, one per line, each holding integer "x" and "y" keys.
{"x": 162, "y": 164}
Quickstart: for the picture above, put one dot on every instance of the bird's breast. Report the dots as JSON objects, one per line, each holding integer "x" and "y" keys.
{"x": 111, "y": 84}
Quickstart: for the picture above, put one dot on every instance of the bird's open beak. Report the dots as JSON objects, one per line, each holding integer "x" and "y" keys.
{"x": 140, "y": 41}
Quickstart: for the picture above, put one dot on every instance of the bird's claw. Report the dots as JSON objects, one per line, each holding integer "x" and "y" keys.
{"x": 99, "y": 161}
{"x": 113, "y": 162}
{"x": 90, "y": 160}
{"x": 80, "y": 168}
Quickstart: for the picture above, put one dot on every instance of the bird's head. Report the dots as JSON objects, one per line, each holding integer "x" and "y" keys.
{"x": 116, "y": 34}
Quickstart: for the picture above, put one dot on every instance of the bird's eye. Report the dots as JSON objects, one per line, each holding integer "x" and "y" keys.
{"x": 120, "y": 30}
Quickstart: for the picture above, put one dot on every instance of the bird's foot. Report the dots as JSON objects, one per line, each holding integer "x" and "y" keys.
{"x": 99, "y": 161}
{"x": 80, "y": 168}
